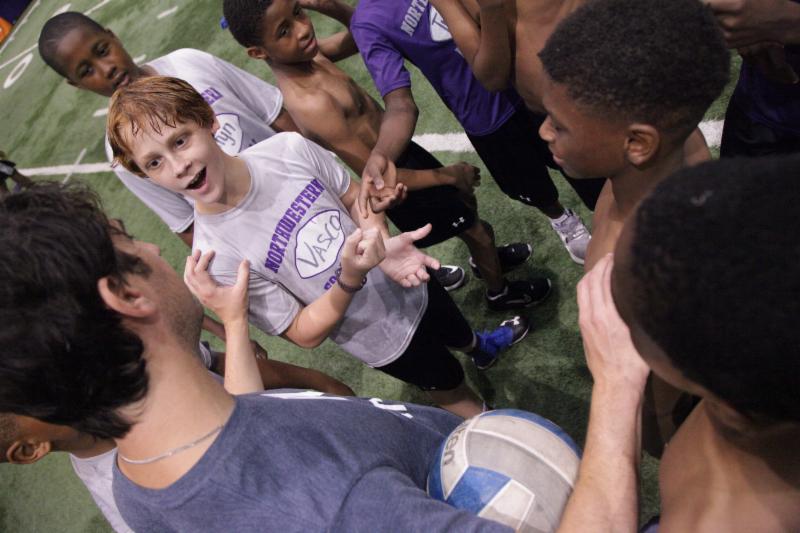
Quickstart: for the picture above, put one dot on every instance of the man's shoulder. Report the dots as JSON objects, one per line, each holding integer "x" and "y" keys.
{"x": 375, "y": 13}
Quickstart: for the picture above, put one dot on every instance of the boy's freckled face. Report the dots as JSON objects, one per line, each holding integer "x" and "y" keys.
{"x": 287, "y": 33}
{"x": 585, "y": 145}
{"x": 95, "y": 61}
{"x": 185, "y": 159}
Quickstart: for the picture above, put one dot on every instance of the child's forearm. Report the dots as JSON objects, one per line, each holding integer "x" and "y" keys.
{"x": 241, "y": 371}
{"x": 336, "y": 9}
{"x": 313, "y": 323}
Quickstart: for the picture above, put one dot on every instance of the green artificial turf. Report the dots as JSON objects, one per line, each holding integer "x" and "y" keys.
{"x": 47, "y": 123}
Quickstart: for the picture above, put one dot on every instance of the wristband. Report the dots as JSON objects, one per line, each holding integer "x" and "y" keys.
{"x": 348, "y": 288}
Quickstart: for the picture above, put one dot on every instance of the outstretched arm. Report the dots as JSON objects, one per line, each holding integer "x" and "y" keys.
{"x": 230, "y": 304}
{"x": 485, "y": 44}
{"x": 606, "y": 494}
{"x": 339, "y": 45}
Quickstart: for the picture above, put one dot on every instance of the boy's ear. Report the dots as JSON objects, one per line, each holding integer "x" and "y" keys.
{"x": 215, "y": 126}
{"x": 25, "y": 452}
{"x": 125, "y": 297}
{"x": 257, "y": 52}
{"x": 641, "y": 144}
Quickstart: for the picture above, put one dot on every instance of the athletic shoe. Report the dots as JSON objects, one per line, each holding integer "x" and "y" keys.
{"x": 520, "y": 293}
{"x": 511, "y": 256}
{"x": 573, "y": 235}
{"x": 491, "y": 343}
{"x": 450, "y": 277}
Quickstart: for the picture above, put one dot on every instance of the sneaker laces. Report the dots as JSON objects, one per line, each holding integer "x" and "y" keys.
{"x": 572, "y": 228}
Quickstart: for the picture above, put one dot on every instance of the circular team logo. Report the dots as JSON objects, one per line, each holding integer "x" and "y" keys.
{"x": 229, "y": 134}
{"x": 318, "y": 244}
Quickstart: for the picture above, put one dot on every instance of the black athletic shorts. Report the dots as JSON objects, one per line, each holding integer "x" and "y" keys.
{"x": 742, "y": 136}
{"x": 440, "y": 206}
{"x": 517, "y": 157}
{"x": 427, "y": 362}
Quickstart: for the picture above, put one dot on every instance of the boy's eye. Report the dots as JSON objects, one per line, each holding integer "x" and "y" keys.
{"x": 85, "y": 71}
{"x": 102, "y": 49}
{"x": 153, "y": 164}
{"x": 180, "y": 141}
{"x": 283, "y": 32}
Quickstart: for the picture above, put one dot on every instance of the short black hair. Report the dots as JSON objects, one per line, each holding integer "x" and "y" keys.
{"x": 245, "y": 19}
{"x": 65, "y": 357}
{"x": 713, "y": 272}
{"x": 55, "y": 29}
{"x": 659, "y": 61}
{"x": 9, "y": 432}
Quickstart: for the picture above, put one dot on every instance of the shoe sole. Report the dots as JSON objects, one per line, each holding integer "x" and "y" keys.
{"x": 574, "y": 257}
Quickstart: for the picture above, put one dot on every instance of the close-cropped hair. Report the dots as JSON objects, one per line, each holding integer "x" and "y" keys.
{"x": 9, "y": 432}
{"x": 714, "y": 274}
{"x": 152, "y": 102}
{"x": 55, "y": 29}
{"x": 662, "y": 62}
{"x": 246, "y": 19}
{"x": 65, "y": 356}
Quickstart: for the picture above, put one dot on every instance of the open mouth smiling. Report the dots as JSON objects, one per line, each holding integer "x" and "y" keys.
{"x": 198, "y": 181}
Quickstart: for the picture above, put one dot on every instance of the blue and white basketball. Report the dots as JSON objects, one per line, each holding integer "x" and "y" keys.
{"x": 510, "y": 466}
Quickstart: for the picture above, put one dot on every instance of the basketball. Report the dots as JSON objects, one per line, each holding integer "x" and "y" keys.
{"x": 510, "y": 466}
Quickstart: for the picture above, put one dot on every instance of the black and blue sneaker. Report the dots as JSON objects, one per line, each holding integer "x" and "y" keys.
{"x": 511, "y": 256}
{"x": 492, "y": 343}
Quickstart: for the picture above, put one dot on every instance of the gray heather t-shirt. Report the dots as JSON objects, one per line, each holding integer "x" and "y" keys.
{"x": 291, "y": 226}
{"x": 302, "y": 461}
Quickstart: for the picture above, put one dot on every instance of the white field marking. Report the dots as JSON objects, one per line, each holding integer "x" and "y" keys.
{"x": 60, "y": 170}
{"x": 167, "y": 13}
{"x": 435, "y": 142}
{"x": 712, "y": 131}
{"x": 14, "y": 31}
{"x": 19, "y": 55}
{"x": 77, "y": 162}
{"x": 95, "y": 8}
{"x": 139, "y": 59}
{"x": 100, "y": 112}
{"x": 444, "y": 142}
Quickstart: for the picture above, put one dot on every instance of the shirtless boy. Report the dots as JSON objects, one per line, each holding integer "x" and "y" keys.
{"x": 313, "y": 87}
{"x": 621, "y": 106}
{"x": 732, "y": 466}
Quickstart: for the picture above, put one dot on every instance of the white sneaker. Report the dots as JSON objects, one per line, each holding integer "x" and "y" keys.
{"x": 573, "y": 235}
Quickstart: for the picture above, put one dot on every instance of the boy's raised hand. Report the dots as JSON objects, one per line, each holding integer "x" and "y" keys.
{"x": 228, "y": 302}
{"x": 610, "y": 354}
{"x": 404, "y": 263}
{"x": 362, "y": 251}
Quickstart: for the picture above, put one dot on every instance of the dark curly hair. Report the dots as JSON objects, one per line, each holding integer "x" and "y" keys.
{"x": 245, "y": 18}
{"x": 65, "y": 357}
{"x": 55, "y": 29}
{"x": 714, "y": 279}
{"x": 659, "y": 61}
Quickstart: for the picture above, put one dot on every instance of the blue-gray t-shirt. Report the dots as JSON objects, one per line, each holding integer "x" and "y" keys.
{"x": 303, "y": 461}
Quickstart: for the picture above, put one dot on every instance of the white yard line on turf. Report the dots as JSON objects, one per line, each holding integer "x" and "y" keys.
{"x": 100, "y": 112}
{"x": 167, "y": 13}
{"x": 95, "y": 8}
{"x": 77, "y": 162}
{"x": 434, "y": 142}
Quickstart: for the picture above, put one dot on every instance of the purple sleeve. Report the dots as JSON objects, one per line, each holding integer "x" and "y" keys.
{"x": 383, "y": 60}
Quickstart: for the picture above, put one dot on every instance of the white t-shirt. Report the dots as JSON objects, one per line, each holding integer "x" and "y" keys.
{"x": 291, "y": 226}
{"x": 245, "y": 107}
{"x": 97, "y": 473}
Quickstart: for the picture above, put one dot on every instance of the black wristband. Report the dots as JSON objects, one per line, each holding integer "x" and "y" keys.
{"x": 348, "y": 288}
